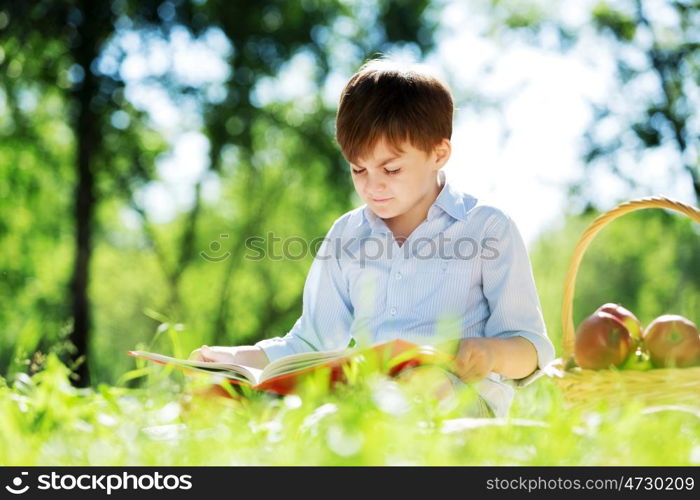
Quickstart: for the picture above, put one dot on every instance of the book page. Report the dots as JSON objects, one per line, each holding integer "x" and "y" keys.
{"x": 230, "y": 370}
{"x": 396, "y": 349}
{"x": 295, "y": 362}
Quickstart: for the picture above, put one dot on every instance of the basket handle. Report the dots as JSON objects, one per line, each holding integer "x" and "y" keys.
{"x": 567, "y": 311}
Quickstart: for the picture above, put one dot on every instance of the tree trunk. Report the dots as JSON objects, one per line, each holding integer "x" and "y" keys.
{"x": 88, "y": 140}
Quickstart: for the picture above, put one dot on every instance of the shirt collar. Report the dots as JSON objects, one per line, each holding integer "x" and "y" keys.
{"x": 449, "y": 200}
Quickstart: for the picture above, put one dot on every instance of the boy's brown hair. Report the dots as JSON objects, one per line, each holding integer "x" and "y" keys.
{"x": 396, "y": 102}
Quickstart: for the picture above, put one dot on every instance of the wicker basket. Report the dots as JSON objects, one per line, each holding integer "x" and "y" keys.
{"x": 583, "y": 389}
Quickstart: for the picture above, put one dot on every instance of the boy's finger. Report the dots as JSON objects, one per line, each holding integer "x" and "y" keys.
{"x": 464, "y": 359}
{"x": 211, "y": 355}
{"x": 207, "y": 354}
{"x": 466, "y": 368}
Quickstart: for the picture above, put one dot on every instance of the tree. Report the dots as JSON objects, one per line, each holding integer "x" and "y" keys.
{"x": 51, "y": 49}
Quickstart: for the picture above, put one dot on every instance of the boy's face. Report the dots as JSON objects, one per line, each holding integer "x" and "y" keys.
{"x": 392, "y": 183}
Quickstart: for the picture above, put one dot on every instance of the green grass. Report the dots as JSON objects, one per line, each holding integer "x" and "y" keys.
{"x": 45, "y": 421}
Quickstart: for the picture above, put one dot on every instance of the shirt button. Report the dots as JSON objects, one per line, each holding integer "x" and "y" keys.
{"x": 398, "y": 276}
{"x": 393, "y": 311}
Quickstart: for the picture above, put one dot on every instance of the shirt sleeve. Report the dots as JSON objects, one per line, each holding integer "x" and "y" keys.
{"x": 509, "y": 287}
{"x": 326, "y": 311}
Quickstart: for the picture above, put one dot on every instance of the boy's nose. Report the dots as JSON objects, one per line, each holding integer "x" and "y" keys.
{"x": 375, "y": 187}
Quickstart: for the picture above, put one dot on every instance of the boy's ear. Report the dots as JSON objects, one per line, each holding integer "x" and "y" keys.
{"x": 442, "y": 152}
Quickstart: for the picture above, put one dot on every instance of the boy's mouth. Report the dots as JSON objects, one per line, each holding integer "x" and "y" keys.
{"x": 381, "y": 200}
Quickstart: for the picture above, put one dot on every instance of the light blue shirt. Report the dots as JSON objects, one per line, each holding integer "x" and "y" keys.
{"x": 463, "y": 272}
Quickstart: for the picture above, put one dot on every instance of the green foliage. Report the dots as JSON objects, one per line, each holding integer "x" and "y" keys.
{"x": 623, "y": 26}
{"x": 524, "y": 16}
{"x": 35, "y": 183}
{"x": 373, "y": 422}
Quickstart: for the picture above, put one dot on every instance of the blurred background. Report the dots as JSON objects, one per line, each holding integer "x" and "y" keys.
{"x": 142, "y": 141}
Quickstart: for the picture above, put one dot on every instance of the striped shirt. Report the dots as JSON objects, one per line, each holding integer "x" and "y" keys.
{"x": 463, "y": 272}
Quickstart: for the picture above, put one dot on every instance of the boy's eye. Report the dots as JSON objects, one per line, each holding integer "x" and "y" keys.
{"x": 390, "y": 172}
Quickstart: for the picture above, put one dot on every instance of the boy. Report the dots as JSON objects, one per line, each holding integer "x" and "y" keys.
{"x": 434, "y": 263}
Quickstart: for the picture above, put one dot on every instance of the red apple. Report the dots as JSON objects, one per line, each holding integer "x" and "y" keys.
{"x": 601, "y": 341}
{"x": 634, "y": 326}
{"x": 673, "y": 341}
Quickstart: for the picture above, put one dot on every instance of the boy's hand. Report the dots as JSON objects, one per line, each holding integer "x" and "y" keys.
{"x": 476, "y": 358}
{"x": 241, "y": 355}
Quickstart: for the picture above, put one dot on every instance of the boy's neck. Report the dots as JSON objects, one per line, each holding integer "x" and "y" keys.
{"x": 403, "y": 225}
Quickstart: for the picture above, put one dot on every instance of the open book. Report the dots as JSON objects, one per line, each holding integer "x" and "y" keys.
{"x": 281, "y": 376}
